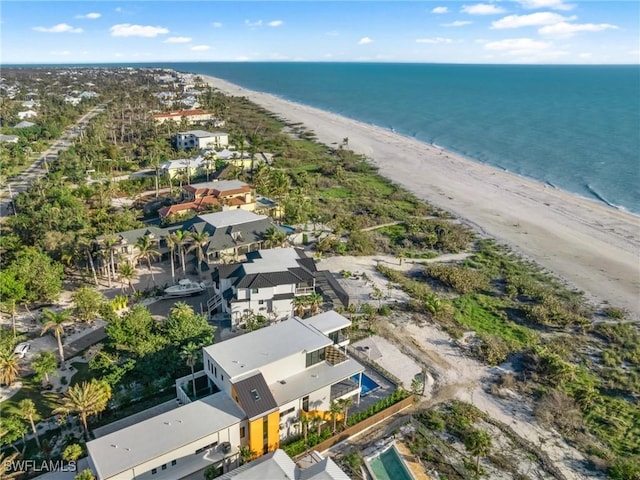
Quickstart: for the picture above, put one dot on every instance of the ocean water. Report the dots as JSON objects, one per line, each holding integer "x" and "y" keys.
{"x": 572, "y": 127}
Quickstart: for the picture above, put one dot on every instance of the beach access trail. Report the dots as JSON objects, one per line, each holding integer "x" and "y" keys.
{"x": 591, "y": 246}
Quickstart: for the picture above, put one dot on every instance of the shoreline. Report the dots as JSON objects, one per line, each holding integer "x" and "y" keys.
{"x": 593, "y": 247}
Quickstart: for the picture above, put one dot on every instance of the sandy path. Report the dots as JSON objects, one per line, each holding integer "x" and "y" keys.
{"x": 593, "y": 247}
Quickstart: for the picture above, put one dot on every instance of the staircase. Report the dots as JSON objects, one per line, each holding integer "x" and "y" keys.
{"x": 213, "y": 303}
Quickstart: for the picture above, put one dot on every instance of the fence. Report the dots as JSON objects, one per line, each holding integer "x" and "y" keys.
{"x": 363, "y": 425}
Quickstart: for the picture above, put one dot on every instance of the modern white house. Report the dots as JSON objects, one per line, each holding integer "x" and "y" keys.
{"x": 278, "y": 465}
{"x": 277, "y": 372}
{"x": 263, "y": 382}
{"x": 174, "y": 444}
{"x": 200, "y": 139}
{"x": 191, "y": 116}
{"x": 27, "y": 114}
{"x": 266, "y": 284}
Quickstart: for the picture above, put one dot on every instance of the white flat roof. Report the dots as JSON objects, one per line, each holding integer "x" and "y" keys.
{"x": 273, "y": 260}
{"x": 245, "y": 354}
{"x": 221, "y": 185}
{"x": 328, "y": 322}
{"x": 230, "y": 217}
{"x": 311, "y": 379}
{"x": 144, "y": 441}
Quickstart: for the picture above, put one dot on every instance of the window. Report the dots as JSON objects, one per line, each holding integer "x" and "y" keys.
{"x": 260, "y": 302}
{"x": 254, "y": 290}
{"x": 222, "y": 377}
{"x": 287, "y": 412}
{"x": 164, "y": 466}
{"x": 255, "y": 394}
{"x": 243, "y": 432}
{"x": 173, "y": 462}
{"x": 154, "y": 471}
{"x": 215, "y": 371}
{"x": 315, "y": 357}
{"x": 305, "y": 403}
{"x": 265, "y": 434}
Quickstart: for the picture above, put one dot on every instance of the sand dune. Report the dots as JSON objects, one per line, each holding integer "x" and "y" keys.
{"x": 593, "y": 247}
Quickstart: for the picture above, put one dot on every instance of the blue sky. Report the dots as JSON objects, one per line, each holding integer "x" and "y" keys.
{"x": 517, "y": 31}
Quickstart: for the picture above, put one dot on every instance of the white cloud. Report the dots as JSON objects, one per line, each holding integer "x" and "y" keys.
{"x": 439, "y": 10}
{"x": 217, "y": 24}
{"x": 585, "y": 55}
{"x": 118, "y": 9}
{"x": 481, "y": 9}
{"x": 200, "y": 48}
{"x": 518, "y": 46}
{"x": 275, "y": 23}
{"x": 333, "y": 33}
{"x": 457, "y": 23}
{"x": 365, "y": 41}
{"x": 434, "y": 41}
{"x": 564, "y": 29}
{"x": 90, "y": 16}
{"x": 129, "y": 30}
{"x": 552, "y": 4}
{"x": 533, "y": 19}
{"x": 249, "y": 23}
{"x": 62, "y": 52}
{"x": 119, "y": 55}
{"x": 59, "y": 28}
{"x": 178, "y": 40}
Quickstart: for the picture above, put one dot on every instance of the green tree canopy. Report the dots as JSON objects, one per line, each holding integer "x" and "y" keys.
{"x": 41, "y": 276}
{"x": 135, "y": 332}
{"x": 87, "y": 303}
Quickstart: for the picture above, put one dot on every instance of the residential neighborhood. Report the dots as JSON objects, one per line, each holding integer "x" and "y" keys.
{"x": 194, "y": 288}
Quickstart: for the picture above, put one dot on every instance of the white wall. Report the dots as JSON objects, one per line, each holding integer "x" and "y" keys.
{"x": 221, "y": 380}
{"x": 283, "y": 368}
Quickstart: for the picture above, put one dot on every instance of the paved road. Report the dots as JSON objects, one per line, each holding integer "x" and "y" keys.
{"x": 38, "y": 168}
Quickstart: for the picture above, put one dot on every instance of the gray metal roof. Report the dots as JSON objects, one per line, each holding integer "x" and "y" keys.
{"x": 254, "y": 396}
{"x": 144, "y": 441}
{"x": 273, "y": 465}
{"x": 262, "y": 347}
{"x": 313, "y": 378}
{"x": 202, "y": 133}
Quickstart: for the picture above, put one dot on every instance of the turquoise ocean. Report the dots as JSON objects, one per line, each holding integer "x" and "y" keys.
{"x": 576, "y": 128}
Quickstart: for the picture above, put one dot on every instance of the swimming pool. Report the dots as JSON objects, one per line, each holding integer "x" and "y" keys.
{"x": 368, "y": 384}
{"x": 288, "y": 230}
{"x": 388, "y": 466}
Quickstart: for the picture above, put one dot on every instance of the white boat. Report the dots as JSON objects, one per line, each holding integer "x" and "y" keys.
{"x": 185, "y": 288}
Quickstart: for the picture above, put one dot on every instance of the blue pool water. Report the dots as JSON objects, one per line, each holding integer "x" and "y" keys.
{"x": 389, "y": 466}
{"x": 368, "y": 384}
{"x": 289, "y": 230}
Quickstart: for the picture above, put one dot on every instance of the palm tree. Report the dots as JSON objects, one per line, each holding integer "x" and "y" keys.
{"x": 299, "y": 304}
{"x": 345, "y": 403}
{"x": 127, "y": 273}
{"x": 199, "y": 240}
{"x": 147, "y": 252}
{"x": 110, "y": 246}
{"x": 314, "y": 301}
{"x": 44, "y": 363}
{"x": 181, "y": 239}
{"x": 85, "y": 399}
{"x": 273, "y": 237}
{"x": 8, "y": 366}
{"x": 55, "y": 322}
{"x": 171, "y": 243}
{"x": 335, "y": 409}
{"x": 7, "y": 463}
{"x": 478, "y": 443}
{"x": 27, "y": 410}
{"x": 190, "y": 354}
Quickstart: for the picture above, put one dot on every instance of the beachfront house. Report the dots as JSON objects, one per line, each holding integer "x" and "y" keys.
{"x": 256, "y": 389}
{"x": 222, "y": 195}
{"x": 231, "y": 234}
{"x": 268, "y": 284}
{"x": 199, "y": 139}
{"x": 9, "y": 138}
{"x": 191, "y": 116}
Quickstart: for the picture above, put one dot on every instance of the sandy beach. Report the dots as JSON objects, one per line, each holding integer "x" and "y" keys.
{"x": 594, "y": 248}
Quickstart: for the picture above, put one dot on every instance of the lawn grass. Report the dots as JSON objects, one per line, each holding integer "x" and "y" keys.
{"x": 485, "y": 314}
{"x": 32, "y": 389}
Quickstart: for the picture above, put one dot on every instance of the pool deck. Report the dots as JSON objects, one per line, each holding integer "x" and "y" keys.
{"x": 411, "y": 462}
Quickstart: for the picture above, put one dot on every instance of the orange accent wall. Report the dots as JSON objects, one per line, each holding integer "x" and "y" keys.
{"x": 274, "y": 430}
{"x": 255, "y": 437}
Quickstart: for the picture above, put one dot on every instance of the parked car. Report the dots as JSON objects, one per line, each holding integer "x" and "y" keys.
{"x": 22, "y": 349}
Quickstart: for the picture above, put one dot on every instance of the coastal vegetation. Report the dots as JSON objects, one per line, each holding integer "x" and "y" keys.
{"x": 566, "y": 355}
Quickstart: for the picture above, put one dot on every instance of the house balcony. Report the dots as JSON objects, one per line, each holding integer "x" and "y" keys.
{"x": 334, "y": 356}
{"x": 184, "y": 387}
{"x": 344, "y": 388}
{"x": 305, "y": 290}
